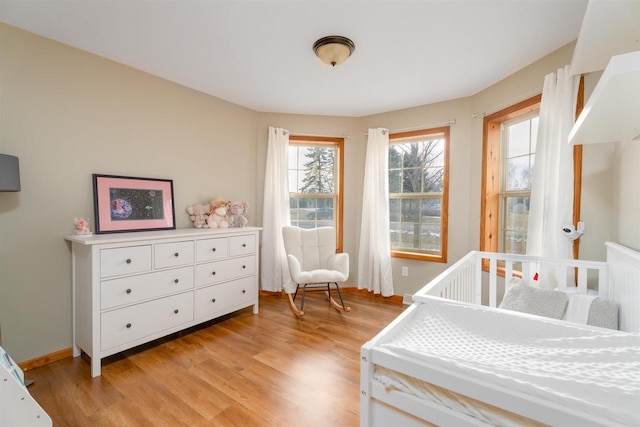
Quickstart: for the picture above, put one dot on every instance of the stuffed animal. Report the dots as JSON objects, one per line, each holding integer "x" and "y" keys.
{"x": 198, "y": 213}
{"x": 235, "y": 213}
{"x": 218, "y": 213}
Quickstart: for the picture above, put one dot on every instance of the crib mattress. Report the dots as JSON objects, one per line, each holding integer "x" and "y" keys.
{"x": 593, "y": 370}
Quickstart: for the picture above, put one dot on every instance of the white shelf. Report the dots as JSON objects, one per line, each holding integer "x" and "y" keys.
{"x": 609, "y": 28}
{"x": 612, "y": 113}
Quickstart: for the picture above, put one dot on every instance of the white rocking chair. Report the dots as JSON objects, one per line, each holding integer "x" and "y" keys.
{"x": 314, "y": 264}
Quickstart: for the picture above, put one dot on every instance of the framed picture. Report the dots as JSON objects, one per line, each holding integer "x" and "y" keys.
{"x": 123, "y": 204}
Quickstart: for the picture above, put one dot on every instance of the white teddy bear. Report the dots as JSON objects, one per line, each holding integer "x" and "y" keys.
{"x": 218, "y": 214}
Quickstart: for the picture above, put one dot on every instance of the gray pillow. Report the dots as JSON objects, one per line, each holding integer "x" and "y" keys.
{"x": 603, "y": 313}
{"x": 541, "y": 302}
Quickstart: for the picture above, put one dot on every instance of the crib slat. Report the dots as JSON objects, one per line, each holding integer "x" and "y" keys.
{"x": 582, "y": 280}
{"x": 455, "y": 289}
{"x": 478, "y": 281}
{"x": 562, "y": 277}
{"x": 603, "y": 284}
{"x": 525, "y": 271}
{"x": 493, "y": 273}
{"x": 469, "y": 281}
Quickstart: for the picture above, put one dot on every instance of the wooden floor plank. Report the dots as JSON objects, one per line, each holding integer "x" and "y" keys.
{"x": 270, "y": 369}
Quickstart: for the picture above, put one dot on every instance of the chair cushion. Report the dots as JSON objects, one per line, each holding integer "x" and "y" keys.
{"x": 320, "y": 276}
{"x": 312, "y": 256}
{"x": 312, "y": 247}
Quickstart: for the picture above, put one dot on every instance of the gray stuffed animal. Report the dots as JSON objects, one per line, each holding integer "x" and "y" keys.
{"x": 235, "y": 214}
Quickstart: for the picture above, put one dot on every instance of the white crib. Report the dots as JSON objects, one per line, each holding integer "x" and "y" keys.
{"x": 451, "y": 395}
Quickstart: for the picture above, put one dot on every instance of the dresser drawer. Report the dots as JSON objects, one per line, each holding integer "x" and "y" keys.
{"x": 132, "y": 323}
{"x": 221, "y": 271}
{"x": 218, "y": 298}
{"x": 173, "y": 254}
{"x": 128, "y": 290}
{"x": 242, "y": 245}
{"x": 128, "y": 260}
{"x": 211, "y": 249}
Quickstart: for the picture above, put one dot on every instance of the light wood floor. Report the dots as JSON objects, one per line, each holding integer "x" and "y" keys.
{"x": 242, "y": 370}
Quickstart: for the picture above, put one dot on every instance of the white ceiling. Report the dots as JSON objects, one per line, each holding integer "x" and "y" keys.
{"x": 258, "y": 53}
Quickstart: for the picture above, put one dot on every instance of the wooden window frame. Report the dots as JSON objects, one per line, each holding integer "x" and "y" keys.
{"x": 491, "y": 157}
{"x": 444, "y": 209}
{"x": 338, "y": 143}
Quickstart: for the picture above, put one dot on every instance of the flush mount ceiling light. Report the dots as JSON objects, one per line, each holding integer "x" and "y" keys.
{"x": 334, "y": 50}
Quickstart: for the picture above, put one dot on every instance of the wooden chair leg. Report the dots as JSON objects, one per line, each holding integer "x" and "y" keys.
{"x": 334, "y": 303}
{"x": 293, "y": 307}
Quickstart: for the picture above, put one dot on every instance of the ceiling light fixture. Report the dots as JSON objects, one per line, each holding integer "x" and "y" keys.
{"x": 334, "y": 50}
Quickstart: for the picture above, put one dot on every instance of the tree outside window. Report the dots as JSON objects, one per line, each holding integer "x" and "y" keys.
{"x": 315, "y": 182}
{"x": 518, "y": 145}
{"x": 418, "y": 194}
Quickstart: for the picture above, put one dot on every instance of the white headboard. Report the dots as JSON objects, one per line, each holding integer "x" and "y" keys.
{"x": 624, "y": 284}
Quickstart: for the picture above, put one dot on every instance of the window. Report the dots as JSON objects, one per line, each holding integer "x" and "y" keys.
{"x": 509, "y": 155}
{"x": 507, "y": 169}
{"x": 315, "y": 182}
{"x": 419, "y": 194}
{"x": 518, "y": 145}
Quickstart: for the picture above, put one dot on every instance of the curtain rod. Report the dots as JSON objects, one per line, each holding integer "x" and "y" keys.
{"x": 430, "y": 125}
{"x": 508, "y": 102}
{"x": 314, "y": 134}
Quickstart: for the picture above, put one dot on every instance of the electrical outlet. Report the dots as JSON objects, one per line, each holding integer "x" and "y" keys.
{"x": 405, "y": 270}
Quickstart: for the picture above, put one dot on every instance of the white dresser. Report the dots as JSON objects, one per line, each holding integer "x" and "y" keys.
{"x": 131, "y": 288}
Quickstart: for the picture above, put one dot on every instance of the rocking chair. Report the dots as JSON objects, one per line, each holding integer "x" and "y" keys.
{"x": 314, "y": 264}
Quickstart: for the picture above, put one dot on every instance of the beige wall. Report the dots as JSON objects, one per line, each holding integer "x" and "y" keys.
{"x": 626, "y": 197}
{"x": 68, "y": 114}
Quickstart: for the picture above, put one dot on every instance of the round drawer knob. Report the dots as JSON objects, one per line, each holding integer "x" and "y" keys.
{"x": 128, "y": 325}
{"x": 214, "y": 273}
{"x": 244, "y": 291}
{"x": 213, "y": 300}
{"x": 176, "y": 311}
{"x": 244, "y": 266}
{"x": 244, "y": 245}
{"x": 128, "y": 291}
{"x": 176, "y": 254}
{"x": 128, "y": 260}
{"x": 214, "y": 249}
{"x": 176, "y": 281}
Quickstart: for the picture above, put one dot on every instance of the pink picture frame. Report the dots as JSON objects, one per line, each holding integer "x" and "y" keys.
{"x": 127, "y": 204}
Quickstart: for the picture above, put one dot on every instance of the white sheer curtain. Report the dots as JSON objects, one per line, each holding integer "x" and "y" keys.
{"x": 274, "y": 273}
{"x": 552, "y": 188}
{"x": 374, "y": 252}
